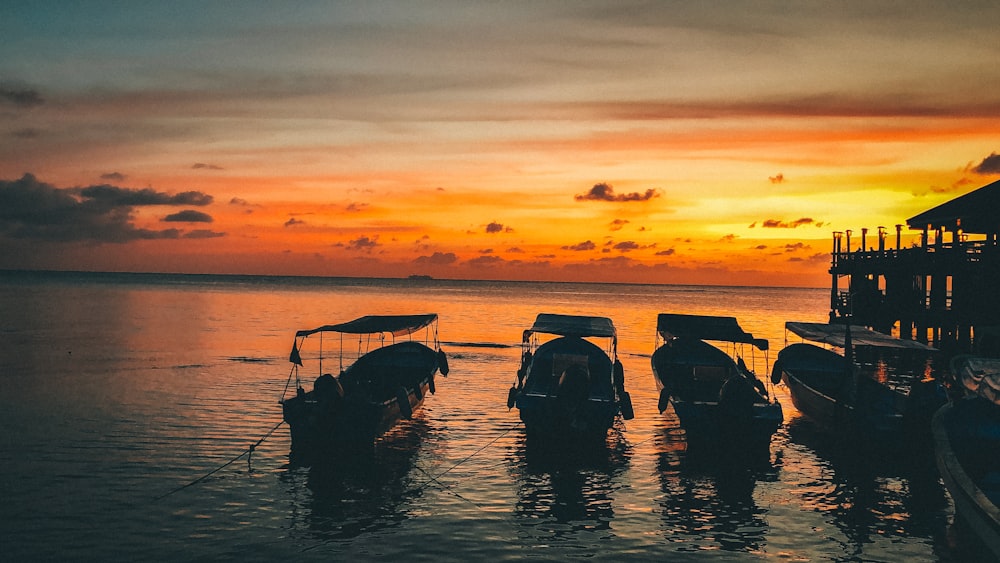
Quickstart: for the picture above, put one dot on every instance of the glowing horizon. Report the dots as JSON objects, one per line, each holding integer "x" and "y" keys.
{"x": 672, "y": 143}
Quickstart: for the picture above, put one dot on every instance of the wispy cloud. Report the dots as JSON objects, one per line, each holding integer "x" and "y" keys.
{"x": 989, "y": 165}
{"x": 582, "y": 246}
{"x": 485, "y": 261}
{"x": 188, "y": 216}
{"x": 203, "y": 234}
{"x": 605, "y": 192}
{"x": 780, "y": 224}
{"x": 437, "y": 259}
{"x": 363, "y": 243}
{"x": 20, "y": 97}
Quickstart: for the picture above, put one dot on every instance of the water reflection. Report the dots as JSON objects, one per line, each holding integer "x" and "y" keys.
{"x": 565, "y": 489}
{"x": 871, "y": 492}
{"x": 343, "y": 498}
{"x": 708, "y": 500}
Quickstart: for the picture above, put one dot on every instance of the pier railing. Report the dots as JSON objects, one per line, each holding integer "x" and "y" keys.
{"x": 967, "y": 251}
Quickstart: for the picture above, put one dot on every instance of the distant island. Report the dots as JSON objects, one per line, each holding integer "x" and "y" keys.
{"x": 420, "y": 277}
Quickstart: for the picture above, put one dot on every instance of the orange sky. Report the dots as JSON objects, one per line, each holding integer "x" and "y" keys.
{"x": 598, "y": 141}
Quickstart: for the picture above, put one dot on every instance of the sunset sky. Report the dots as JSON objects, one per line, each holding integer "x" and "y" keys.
{"x": 660, "y": 142}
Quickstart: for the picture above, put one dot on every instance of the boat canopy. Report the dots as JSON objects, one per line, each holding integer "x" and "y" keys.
{"x": 834, "y": 334}
{"x": 980, "y": 376}
{"x": 705, "y": 327}
{"x": 398, "y": 325}
{"x": 572, "y": 325}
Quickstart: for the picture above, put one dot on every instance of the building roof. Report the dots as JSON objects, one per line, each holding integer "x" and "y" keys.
{"x": 974, "y": 212}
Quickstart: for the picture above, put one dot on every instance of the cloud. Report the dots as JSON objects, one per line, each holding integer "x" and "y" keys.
{"x": 485, "y": 261}
{"x": 203, "y": 166}
{"x": 363, "y": 243}
{"x": 777, "y": 179}
{"x": 796, "y": 246}
{"x": 605, "y": 192}
{"x": 114, "y": 196}
{"x": 955, "y": 186}
{"x": 113, "y": 176}
{"x": 618, "y": 224}
{"x": 585, "y": 245}
{"x": 203, "y": 233}
{"x": 355, "y": 207}
{"x": 627, "y": 246}
{"x": 778, "y": 224}
{"x": 293, "y": 222}
{"x": 989, "y": 165}
{"x": 189, "y": 216}
{"x": 667, "y": 252}
{"x": 610, "y": 262}
{"x": 20, "y": 97}
{"x": 34, "y": 210}
{"x": 437, "y": 259}
{"x": 495, "y": 227}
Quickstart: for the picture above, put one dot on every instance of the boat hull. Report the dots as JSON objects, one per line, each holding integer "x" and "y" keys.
{"x": 709, "y": 424}
{"x": 692, "y": 376}
{"x": 369, "y": 398}
{"x": 826, "y": 390}
{"x": 966, "y": 434}
{"x": 550, "y": 408}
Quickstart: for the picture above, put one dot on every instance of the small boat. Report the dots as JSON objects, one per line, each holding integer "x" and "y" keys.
{"x": 383, "y": 385}
{"x": 966, "y": 441}
{"x": 717, "y": 398}
{"x": 568, "y": 386}
{"x": 879, "y": 387}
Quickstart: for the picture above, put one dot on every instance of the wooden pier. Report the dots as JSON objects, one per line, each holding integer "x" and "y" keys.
{"x": 944, "y": 291}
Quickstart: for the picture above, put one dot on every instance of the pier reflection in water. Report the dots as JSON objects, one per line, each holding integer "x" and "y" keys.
{"x": 873, "y": 494}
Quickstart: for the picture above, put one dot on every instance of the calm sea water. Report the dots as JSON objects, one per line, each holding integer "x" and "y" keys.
{"x": 119, "y": 392}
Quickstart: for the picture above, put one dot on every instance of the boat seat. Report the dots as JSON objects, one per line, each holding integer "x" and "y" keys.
{"x": 562, "y": 361}
{"x": 713, "y": 374}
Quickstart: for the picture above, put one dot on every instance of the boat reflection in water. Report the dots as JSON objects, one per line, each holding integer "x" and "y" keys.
{"x": 565, "y": 494}
{"x": 708, "y": 496}
{"x": 872, "y": 495}
{"x": 368, "y": 491}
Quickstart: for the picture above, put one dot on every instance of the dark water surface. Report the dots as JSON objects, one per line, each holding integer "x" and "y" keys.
{"x": 117, "y": 392}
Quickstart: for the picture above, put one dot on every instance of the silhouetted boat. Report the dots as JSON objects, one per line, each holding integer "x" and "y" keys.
{"x": 966, "y": 441}
{"x": 385, "y": 383}
{"x": 878, "y": 387}
{"x": 717, "y": 398}
{"x": 568, "y": 387}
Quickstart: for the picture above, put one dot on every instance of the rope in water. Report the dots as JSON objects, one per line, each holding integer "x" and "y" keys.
{"x": 248, "y": 452}
{"x": 434, "y": 478}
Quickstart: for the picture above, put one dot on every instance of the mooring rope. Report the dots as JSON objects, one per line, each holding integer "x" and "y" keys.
{"x": 248, "y": 452}
{"x": 434, "y": 478}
